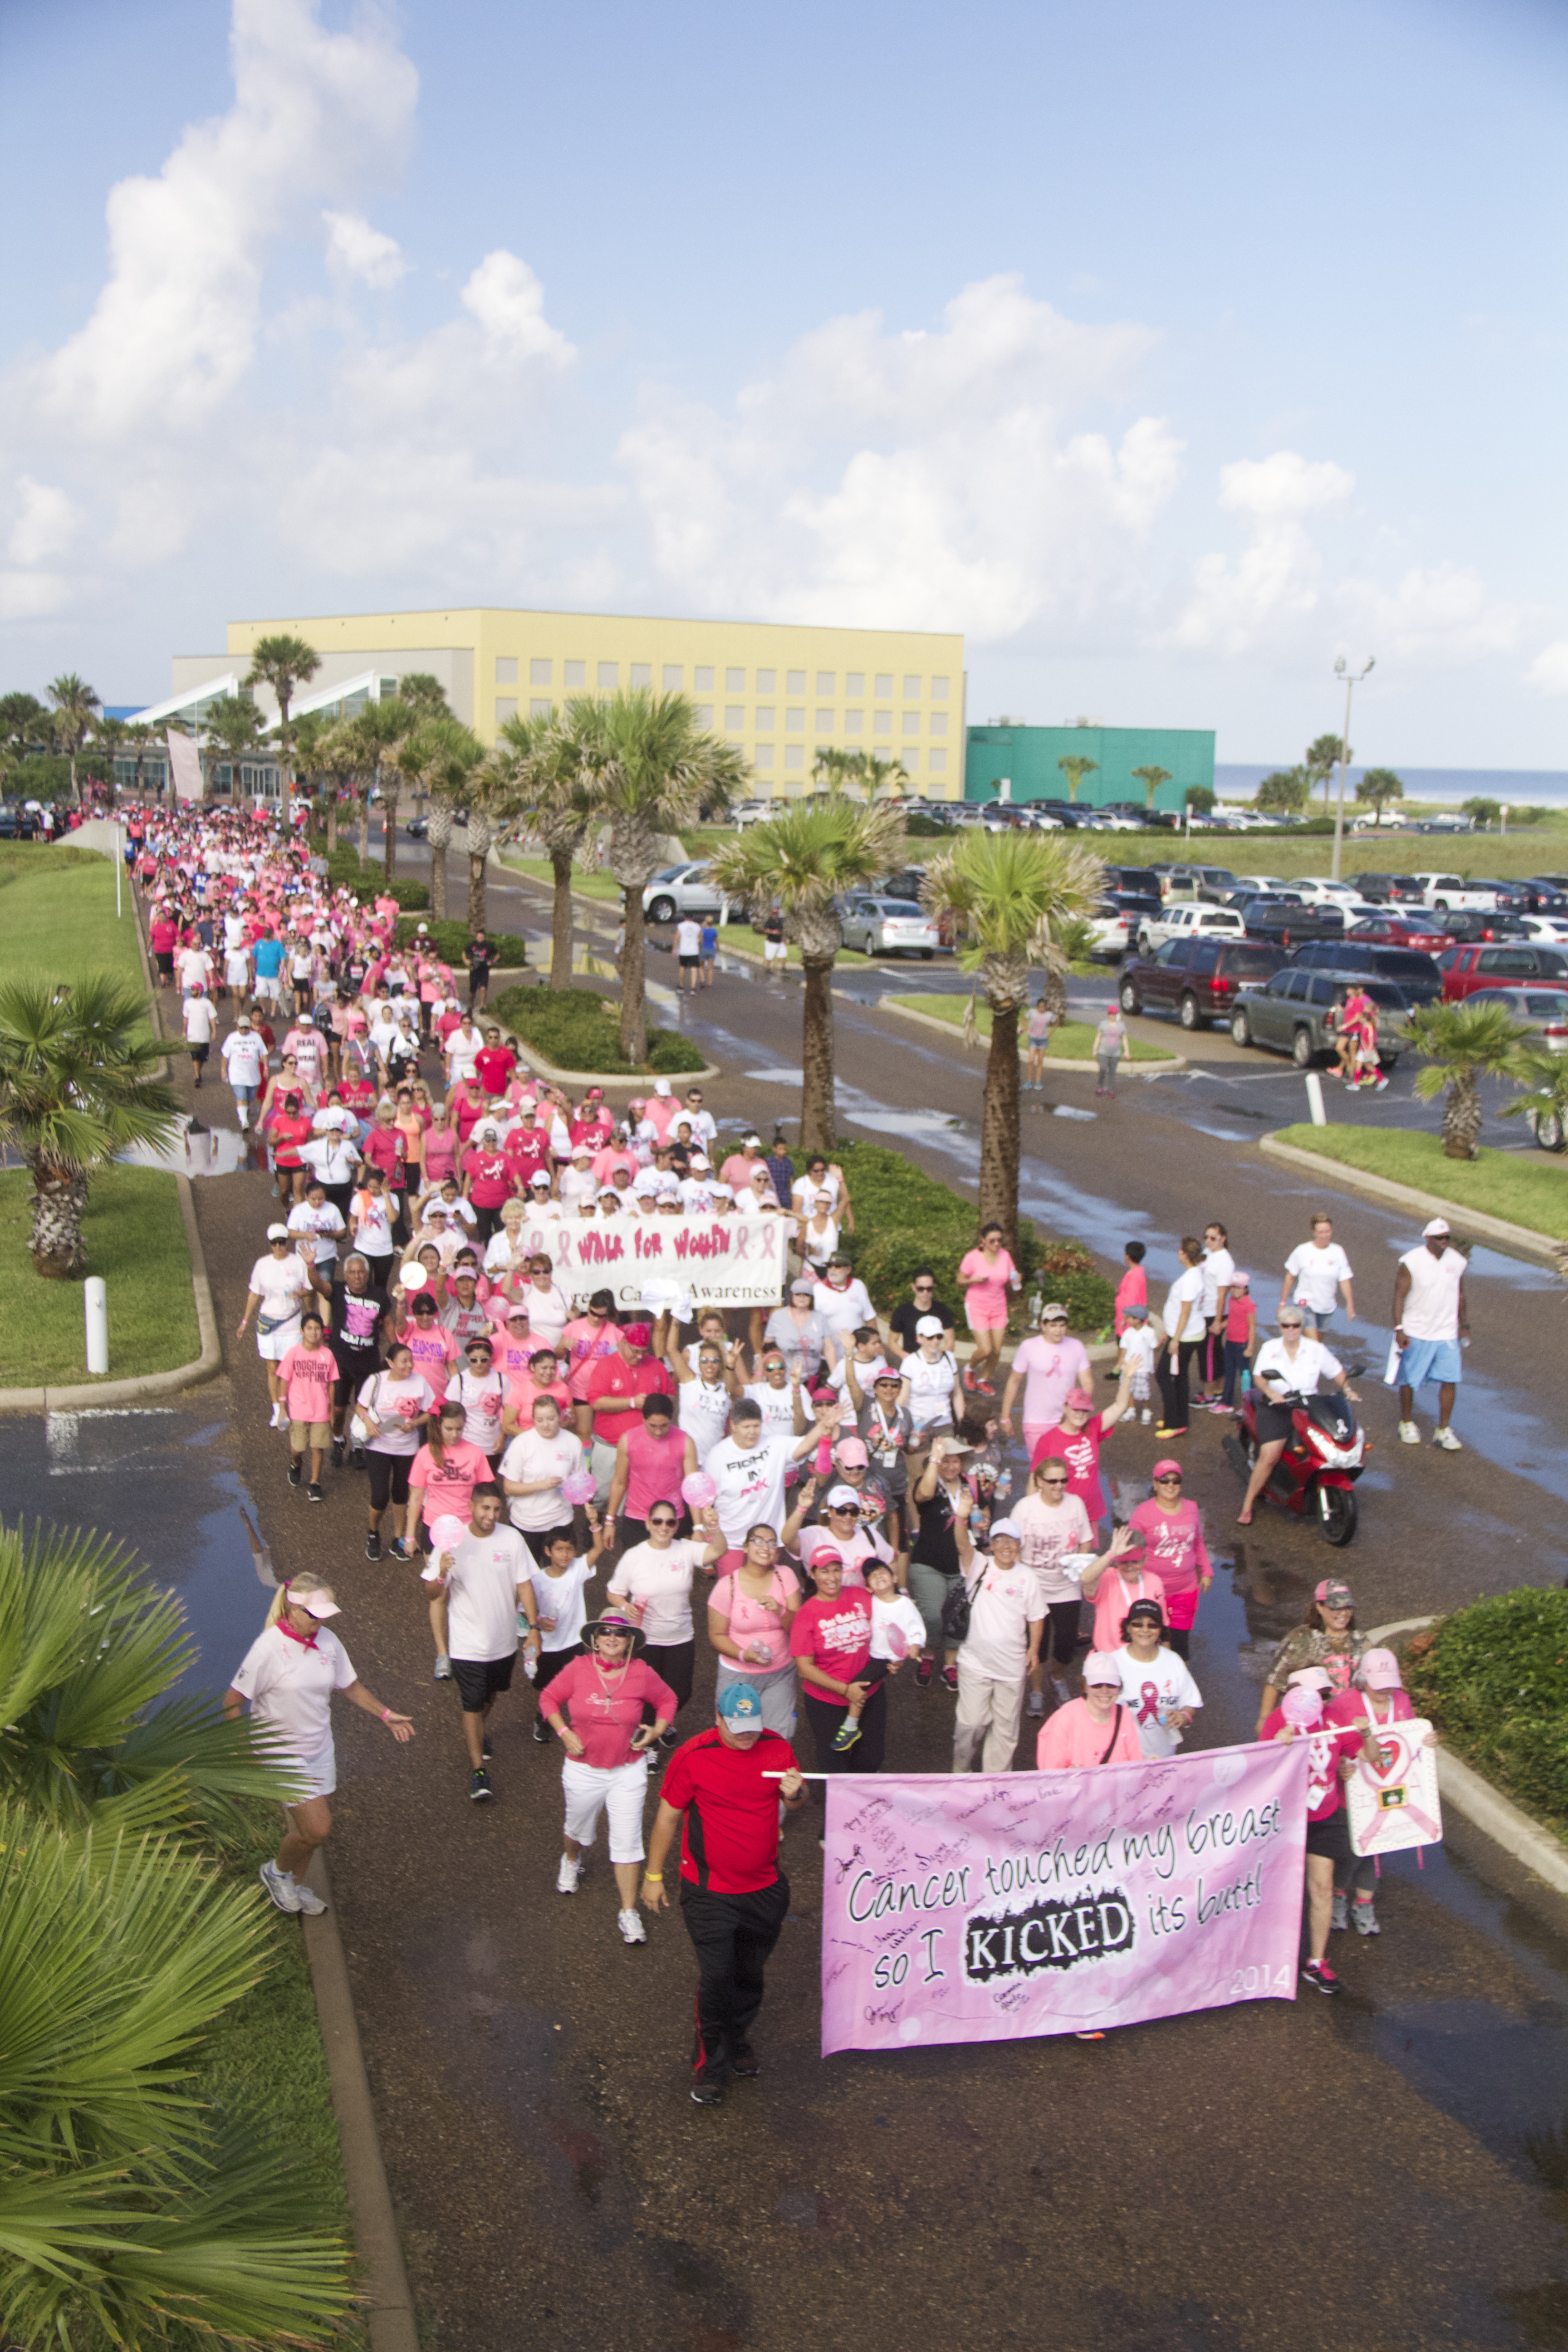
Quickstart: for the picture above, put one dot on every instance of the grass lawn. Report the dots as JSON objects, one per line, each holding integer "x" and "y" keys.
{"x": 136, "y": 1241}
{"x": 57, "y": 917}
{"x": 1072, "y": 1041}
{"x": 593, "y": 886}
{"x": 1527, "y": 1189}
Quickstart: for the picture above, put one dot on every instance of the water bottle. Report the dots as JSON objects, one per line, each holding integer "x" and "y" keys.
{"x": 1246, "y": 1381}
{"x": 1034, "y": 1303}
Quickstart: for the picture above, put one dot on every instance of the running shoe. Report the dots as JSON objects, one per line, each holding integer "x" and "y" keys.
{"x": 337, "y": 1452}
{"x": 442, "y": 1670}
{"x": 1320, "y": 1976}
{"x": 372, "y": 1546}
{"x": 566, "y": 1877}
{"x": 479, "y": 1790}
{"x": 540, "y": 1732}
{"x": 313, "y": 1493}
{"x": 1089, "y": 2036}
{"x": 295, "y": 1472}
{"x": 950, "y": 1677}
{"x": 1364, "y": 1914}
{"x": 1448, "y": 1441}
{"x": 924, "y": 1673}
{"x": 848, "y": 1733}
{"x": 746, "y": 2063}
{"x": 310, "y": 1904}
{"x": 280, "y": 1885}
{"x": 1408, "y": 1434}
{"x": 707, "y": 2090}
{"x": 398, "y": 1550}
{"x": 1342, "y": 1918}
{"x": 670, "y": 1739}
{"x": 631, "y": 1927}
{"x": 1037, "y": 1702}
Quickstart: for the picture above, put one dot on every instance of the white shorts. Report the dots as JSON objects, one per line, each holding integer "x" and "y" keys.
{"x": 589, "y": 1791}
{"x": 320, "y": 1773}
{"x": 273, "y": 1346}
{"x": 267, "y": 986}
{"x": 775, "y": 950}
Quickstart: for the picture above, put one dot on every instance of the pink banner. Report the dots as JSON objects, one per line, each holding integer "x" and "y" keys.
{"x": 987, "y": 1909}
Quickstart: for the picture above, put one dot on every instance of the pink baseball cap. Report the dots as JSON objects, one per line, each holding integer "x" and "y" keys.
{"x": 1166, "y": 1467}
{"x": 1080, "y": 1400}
{"x": 1317, "y": 1679}
{"x": 852, "y": 1452}
{"x": 1380, "y": 1671}
{"x": 1101, "y": 1667}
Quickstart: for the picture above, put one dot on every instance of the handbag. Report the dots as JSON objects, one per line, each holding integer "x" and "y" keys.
{"x": 1115, "y": 1733}
{"x": 955, "y": 1610}
{"x": 358, "y": 1430}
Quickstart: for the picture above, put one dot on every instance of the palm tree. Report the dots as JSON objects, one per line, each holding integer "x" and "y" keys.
{"x": 1151, "y": 778}
{"x": 1075, "y": 767}
{"x": 1323, "y": 753}
{"x": 886, "y": 777}
{"x": 836, "y": 770}
{"x": 1545, "y": 1101}
{"x": 442, "y": 756}
{"x": 283, "y": 663}
{"x": 1463, "y": 1043}
{"x": 233, "y": 724}
{"x": 1377, "y": 787}
{"x": 805, "y": 857}
{"x": 76, "y": 705}
{"x": 75, "y": 1090}
{"x": 654, "y": 767}
{"x": 1284, "y": 794}
{"x": 21, "y": 720}
{"x": 548, "y": 771}
{"x": 1016, "y": 898}
{"x": 369, "y": 737}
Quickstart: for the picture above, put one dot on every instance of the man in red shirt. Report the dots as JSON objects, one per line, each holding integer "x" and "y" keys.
{"x": 613, "y": 1393}
{"x": 487, "y": 1179}
{"x": 495, "y": 1066}
{"x": 733, "y": 1895}
{"x": 528, "y": 1147}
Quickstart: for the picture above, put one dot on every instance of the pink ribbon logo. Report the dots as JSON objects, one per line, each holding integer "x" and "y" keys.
{"x": 1149, "y": 1704}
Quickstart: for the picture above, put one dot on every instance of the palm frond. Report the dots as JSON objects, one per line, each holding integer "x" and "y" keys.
{"x": 1464, "y": 1042}
{"x": 76, "y": 1073}
{"x": 809, "y": 853}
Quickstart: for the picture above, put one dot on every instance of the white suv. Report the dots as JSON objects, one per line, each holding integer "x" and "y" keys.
{"x": 1189, "y": 922}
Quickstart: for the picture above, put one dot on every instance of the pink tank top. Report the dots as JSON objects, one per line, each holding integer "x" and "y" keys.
{"x": 751, "y": 1621}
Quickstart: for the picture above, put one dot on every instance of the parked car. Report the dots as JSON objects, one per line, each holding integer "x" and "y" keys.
{"x": 1318, "y": 892}
{"x": 678, "y": 890}
{"x": 1552, "y": 929}
{"x": 1288, "y": 920}
{"x": 1545, "y": 1013}
{"x": 1196, "y": 979}
{"x": 890, "y": 926}
{"x": 1294, "y": 1014}
{"x": 1213, "y": 883}
{"x": 1535, "y": 897}
{"x": 17, "y": 822}
{"x": 1445, "y": 824}
{"x": 1469, "y": 927}
{"x": 1468, "y": 969}
{"x": 1180, "y": 922}
{"x": 1415, "y": 975}
{"x": 1455, "y": 893}
{"x": 1383, "y": 889}
{"x": 1141, "y": 878}
{"x": 418, "y": 828}
{"x": 1114, "y": 927}
{"x": 1388, "y": 930}
{"x": 1259, "y": 886}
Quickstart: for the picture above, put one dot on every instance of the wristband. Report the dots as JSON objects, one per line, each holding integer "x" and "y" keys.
{"x": 386, "y": 1715}
{"x": 654, "y": 1876}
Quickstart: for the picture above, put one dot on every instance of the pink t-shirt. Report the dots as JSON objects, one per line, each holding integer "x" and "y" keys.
{"x": 1051, "y": 1372}
{"x": 752, "y": 1621}
{"x": 449, "y": 1484}
{"x": 307, "y": 1374}
{"x": 441, "y": 1148}
{"x": 1132, "y": 1290}
{"x": 1070, "y": 1739}
{"x": 1079, "y": 1449}
{"x": 586, "y": 1342}
{"x": 986, "y": 1298}
{"x": 655, "y": 1466}
{"x": 1175, "y": 1550}
{"x": 1114, "y": 1596}
{"x": 604, "y": 1710}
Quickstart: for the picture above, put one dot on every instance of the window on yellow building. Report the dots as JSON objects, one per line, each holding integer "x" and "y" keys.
{"x": 911, "y": 722}
{"x": 939, "y": 722}
{"x": 911, "y": 761}
{"x": 543, "y": 673}
{"x": 825, "y": 722}
{"x": 609, "y": 677}
{"x": 794, "y": 681}
{"x": 576, "y": 672}
{"x": 767, "y": 681}
{"x": 939, "y": 689}
{"x": 826, "y": 681}
{"x": 642, "y": 674}
{"x": 705, "y": 714}
{"x": 735, "y": 715}
{"x": 540, "y": 707}
{"x": 794, "y": 722}
{"x": 703, "y": 680}
{"x": 794, "y": 755}
{"x": 765, "y": 717}
{"x": 883, "y": 723}
{"x": 854, "y": 681}
{"x": 937, "y": 763}
{"x": 734, "y": 681}
{"x": 884, "y": 682}
{"x": 674, "y": 676}
{"x": 762, "y": 756}
{"x": 506, "y": 670}
{"x": 911, "y": 689}
{"x": 506, "y": 707}
{"x": 854, "y": 722}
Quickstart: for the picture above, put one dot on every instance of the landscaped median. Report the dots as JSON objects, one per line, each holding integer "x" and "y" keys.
{"x": 1526, "y": 1190}
{"x": 1071, "y": 1041}
{"x": 1493, "y": 1678}
{"x": 577, "y": 1031}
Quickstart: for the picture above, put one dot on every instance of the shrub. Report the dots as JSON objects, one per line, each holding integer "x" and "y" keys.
{"x": 1494, "y": 1679}
{"x": 921, "y": 827}
{"x": 908, "y": 1220}
{"x": 451, "y": 942}
{"x": 368, "y": 882}
{"x": 576, "y": 1029}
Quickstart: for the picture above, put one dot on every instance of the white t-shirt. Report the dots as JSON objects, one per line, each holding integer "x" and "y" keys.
{"x": 776, "y": 1406}
{"x": 805, "y": 1189}
{"x": 1217, "y": 1268}
{"x": 243, "y": 1058}
{"x": 1314, "y": 1363}
{"x": 688, "y": 938}
{"x": 931, "y": 1389}
{"x": 560, "y": 1597}
{"x": 865, "y": 1376}
{"x": 463, "y": 1050}
{"x": 201, "y": 1021}
{"x": 325, "y": 1225}
{"x": 1154, "y": 1690}
{"x": 399, "y": 1406}
{"x": 373, "y": 1224}
{"x": 1005, "y": 1603}
{"x": 548, "y": 1313}
{"x": 844, "y": 1310}
{"x": 291, "y": 1686}
{"x": 751, "y": 1484}
{"x": 481, "y": 1598}
{"x": 483, "y": 1396}
{"x": 1187, "y": 1291}
{"x": 661, "y": 1580}
{"x": 282, "y": 1284}
{"x": 334, "y": 1157}
{"x": 530, "y": 1456}
{"x": 1432, "y": 1310}
{"x": 864, "y": 1545}
{"x": 899, "y": 1618}
{"x": 702, "y": 1412}
{"x": 1138, "y": 1349}
{"x": 1051, "y": 1530}
{"x": 1318, "y": 1273}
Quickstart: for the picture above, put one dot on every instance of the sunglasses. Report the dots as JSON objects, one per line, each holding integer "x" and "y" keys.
{"x": 1168, "y": 1478}
{"x": 1053, "y": 1482}
{"x": 663, "y": 1523}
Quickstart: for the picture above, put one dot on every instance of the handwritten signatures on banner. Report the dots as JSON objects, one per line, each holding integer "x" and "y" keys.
{"x": 985, "y": 1909}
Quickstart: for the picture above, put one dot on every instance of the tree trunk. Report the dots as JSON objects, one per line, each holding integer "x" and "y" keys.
{"x": 482, "y": 833}
{"x": 1461, "y": 1116}
{"x": 633, "y": 961}
{"x": 332, "y": 823}
{"x": 561, "y": 919}
{"x": 365, "y": 829}
{"x": 818, "y": 1110}
{"x": 59, "y": 1205}
{"x": 438, "y": 836}
{"x": 999, "y": 1125}
{"x": 389, "y": 829}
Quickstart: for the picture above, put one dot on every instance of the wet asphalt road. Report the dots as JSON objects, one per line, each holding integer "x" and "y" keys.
{"x": 1387, "y": 2169}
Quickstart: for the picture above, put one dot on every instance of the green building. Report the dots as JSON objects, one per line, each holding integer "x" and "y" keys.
{"x": 1029, "y": 757}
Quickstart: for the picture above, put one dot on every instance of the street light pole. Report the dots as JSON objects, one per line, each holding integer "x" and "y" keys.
{"x": 1353, "y": 678}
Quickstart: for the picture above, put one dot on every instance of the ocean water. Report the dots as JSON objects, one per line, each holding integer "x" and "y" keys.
{"x": 1528, "y": 787}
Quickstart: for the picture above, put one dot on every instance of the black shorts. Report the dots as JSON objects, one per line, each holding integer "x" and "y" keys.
{"x": 690, "y": 963}
{"x": 1274, "y": 1421}
{"x": 550, "y": 1662}
{"x": 164, "y": 958}
{"x": 1331, "y": 1838}
{"x": 197, "y": 1053}
{"x": 478, "y": 1679}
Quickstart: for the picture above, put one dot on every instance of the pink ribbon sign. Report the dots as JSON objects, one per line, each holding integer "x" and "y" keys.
{"x": 1394, "y": 1804}
{"x": 989, "y": 1907}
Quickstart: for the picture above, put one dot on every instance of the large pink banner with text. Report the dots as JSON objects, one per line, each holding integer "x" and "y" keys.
{"x": 986, "y": 1908}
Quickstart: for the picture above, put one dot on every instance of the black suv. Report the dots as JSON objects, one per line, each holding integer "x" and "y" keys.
{"x": 1526, "y": 897}
{"x": 1140, "y": 878}
{"x": 1383, "y": 889}
{"x": 1196, "y": 979}
{"x": 1416, "y": 975}
{"x": 1465, "y": 925}
{"x": 1288, "y": 920}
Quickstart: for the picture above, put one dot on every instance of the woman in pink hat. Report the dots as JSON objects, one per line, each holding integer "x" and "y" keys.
{"x": 1077, "y": 1439}
{"x": 1376, "y": 1697}
{"x": 1172, "y": 1534}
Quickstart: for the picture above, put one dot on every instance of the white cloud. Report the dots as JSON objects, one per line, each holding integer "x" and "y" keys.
{"x": 508, "y": 300}
{"x": 31, "y": 595}
{"x": 1549, "y": 670}
{"x": 46, "y": 524}
{"x": 1274, "y": 582}
{"x": 355, "y": 249}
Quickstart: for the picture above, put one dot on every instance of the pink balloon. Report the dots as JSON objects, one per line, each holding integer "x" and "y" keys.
{"x": 699, "y": 1490}
{"x": 1302, "y": 1708}
{"x": 580, "y": 1487}
{"x": 898, "y": 1642}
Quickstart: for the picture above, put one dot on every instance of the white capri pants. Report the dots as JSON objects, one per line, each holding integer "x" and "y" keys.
{"x": 621, "y": 1789}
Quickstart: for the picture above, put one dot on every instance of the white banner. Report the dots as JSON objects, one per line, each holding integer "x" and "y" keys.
{"x": 715, "y": 1261}
{"x": 185, "y": 766}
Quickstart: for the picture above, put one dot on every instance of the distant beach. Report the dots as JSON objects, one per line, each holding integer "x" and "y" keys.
{"x": 1519, "y": 787}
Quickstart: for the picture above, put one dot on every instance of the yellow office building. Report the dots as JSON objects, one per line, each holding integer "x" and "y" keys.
{"x": 780, "y": 694}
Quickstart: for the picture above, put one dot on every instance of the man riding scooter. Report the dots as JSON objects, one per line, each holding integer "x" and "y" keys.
{"x": 1290, "y": 1366}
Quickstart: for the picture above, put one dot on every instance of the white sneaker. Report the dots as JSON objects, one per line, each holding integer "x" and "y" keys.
{"x": 309, "y": 1903}
{"x": 566, "y": 1877}
{"x": 1408, "y": 1434}
{"x": 1448, "y": 1441}
{"x": 1146, "y": 1416}
{"x": 631, "y": 1927}
{"x": 1062, "y": 1692}
{"x": 280, "y": 1885}
{"x": 1037, "y": 1702}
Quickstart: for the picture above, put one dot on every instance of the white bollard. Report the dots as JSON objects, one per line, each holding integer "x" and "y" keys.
{"x": 95, "y": 1300}
{"x": 1315, "y": 1100}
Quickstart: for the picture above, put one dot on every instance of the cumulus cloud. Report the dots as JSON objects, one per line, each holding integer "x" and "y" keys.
{"x": 1549, "y": 670}
{"x": 46, "y": 522}
{"x": 355, "y": 251}
{"x": 1276, "y": 578}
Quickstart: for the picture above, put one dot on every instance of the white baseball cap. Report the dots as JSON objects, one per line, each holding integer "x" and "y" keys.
{"x": 1437, "y": 1225}
{"x": 929, "y": 1327}
{"x": 277, "y": 1233}
{"x": 661, "y": 1086}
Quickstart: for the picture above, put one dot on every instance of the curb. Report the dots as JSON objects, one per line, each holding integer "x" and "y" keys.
{"x": 1127, "y": 1070}
{"x": 1484, "y": 1807}
{"x": 389, "y": 2321}
{"x": 203, "y": 1367}
{"x": 1518, "y": 1238}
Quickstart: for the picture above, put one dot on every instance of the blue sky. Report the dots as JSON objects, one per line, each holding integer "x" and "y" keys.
{"x": 1167, "y": 353}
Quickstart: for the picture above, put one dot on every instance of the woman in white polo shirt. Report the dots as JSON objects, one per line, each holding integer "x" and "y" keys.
{"x": 1291, "y": 1365}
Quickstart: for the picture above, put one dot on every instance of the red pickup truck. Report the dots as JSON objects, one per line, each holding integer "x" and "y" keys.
{"x": 1515, "y": 965}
